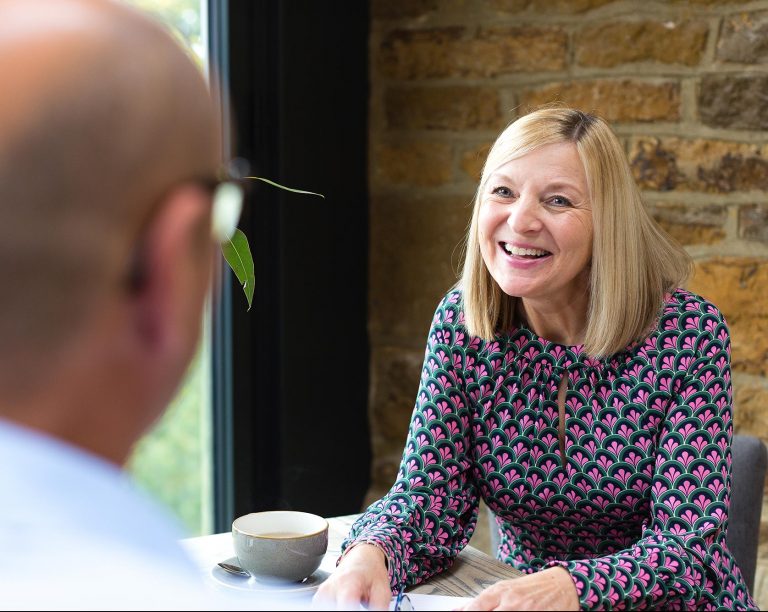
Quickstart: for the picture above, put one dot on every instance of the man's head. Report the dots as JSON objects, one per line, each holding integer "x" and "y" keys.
{"x": 107, "y": 131}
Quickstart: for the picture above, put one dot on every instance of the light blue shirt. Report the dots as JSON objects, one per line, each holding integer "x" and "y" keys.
{"x": 75, "y": 533}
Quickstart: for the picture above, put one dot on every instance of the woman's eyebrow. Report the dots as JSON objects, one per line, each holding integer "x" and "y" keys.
{"x": 563, "y": 185}
{"x": 500, "y": 176}
{"x": 557, "y": 184}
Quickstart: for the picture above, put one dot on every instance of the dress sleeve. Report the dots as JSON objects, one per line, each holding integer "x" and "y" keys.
{"x": 676, "y": 564}
{"x": 430, "y": 512}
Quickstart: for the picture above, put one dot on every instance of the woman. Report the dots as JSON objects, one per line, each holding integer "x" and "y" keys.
{"x": 571, "y": 385}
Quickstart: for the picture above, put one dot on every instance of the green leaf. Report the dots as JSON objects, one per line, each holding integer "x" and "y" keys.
{"x": 237, "y": 252}
{"x": 238, "y": 255}
{"x": 279, "y": 186}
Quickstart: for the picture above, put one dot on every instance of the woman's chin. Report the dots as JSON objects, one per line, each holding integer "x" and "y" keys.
{"x": 517, "y": 291}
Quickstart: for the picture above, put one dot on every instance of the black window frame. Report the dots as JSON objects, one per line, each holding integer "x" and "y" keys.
{"x": 290, "y": 377}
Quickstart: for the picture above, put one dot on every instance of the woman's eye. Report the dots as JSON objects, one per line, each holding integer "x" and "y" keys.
{"x": 505, "y": 192}
{"x": 559, "y": 201}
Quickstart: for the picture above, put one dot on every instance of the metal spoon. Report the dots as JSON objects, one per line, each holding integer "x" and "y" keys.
{"x": 234, "y": 569}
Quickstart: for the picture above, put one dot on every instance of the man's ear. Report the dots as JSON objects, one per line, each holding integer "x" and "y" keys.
{"x": 172, "y": 272}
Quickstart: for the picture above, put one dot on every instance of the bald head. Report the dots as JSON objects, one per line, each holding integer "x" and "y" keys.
{"x": 102, "y": 114}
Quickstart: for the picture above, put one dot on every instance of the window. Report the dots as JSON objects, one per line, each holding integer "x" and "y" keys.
{"x": 173, "y": 461}
{"x": 287, "y": 425}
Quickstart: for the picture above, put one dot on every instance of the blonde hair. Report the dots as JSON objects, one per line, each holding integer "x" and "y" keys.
{"x": 634, "y": 262}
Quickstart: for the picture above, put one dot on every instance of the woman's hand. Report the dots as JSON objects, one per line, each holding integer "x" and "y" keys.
{"x": 360, "y": 578}
{"x": 550, "y": 589}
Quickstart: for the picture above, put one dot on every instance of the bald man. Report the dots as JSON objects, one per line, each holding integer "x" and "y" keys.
{"x": 108, "y": 144}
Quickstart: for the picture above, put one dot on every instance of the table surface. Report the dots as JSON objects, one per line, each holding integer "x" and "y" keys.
{"x": 472, "y": 571}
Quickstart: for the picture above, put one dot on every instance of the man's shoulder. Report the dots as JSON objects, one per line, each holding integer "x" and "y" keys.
{"x": 74, "y": 569}
{"x": 78, "y": 519}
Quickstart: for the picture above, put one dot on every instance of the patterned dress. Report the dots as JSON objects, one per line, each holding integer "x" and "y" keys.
{"x": 636, "y": 510}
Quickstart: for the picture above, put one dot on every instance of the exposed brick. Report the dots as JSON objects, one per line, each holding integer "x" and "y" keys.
{"x": 687, "y": 234}
{"x": 691, "y": 224}
{"x": 509, "y": 6}
{"x": 613, "y": 43}
{"x": 763, "y": 546}
{"x": 750, "y": 415}
{"x": 753, "y": 222}
{"x": 614, "y": 100}
{"x": 749, "y": 336}
{"x": 654, "y": 166}
{"x": 418, "y": 54}
{"x": 740, "y": 102}
{"x": 436, "y": 71}
{"x": 443, "y": 108}
{"x": 383, "y": 475}
{"x": 472, "y": 160}
{"x": 552, "y": 6}
{"x": 698, "y": 165}
{"x": 736, "y": 285}
{"x": 419, "y": 164}
{"x": 394, "y": 383}
{"x": 376, "y": 492}
{"x": 744, "y": 39}
{"x": 739, "y": 287}
{"x": 519, "y": 49}
{"x": 396, "y": 9}
{"x": 705, "y": 2}
{"x": 450, "y": 52}
{"x": 414, "y": 258}
{"x": 761, "y": 567}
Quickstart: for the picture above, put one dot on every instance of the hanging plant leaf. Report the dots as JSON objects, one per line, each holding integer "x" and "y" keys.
{"x": 237, "y": 251}
{"x": 279, "y": 186}
{"x": 238, "y": 255}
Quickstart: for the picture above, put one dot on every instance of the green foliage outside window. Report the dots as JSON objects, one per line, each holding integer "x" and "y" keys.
{"x": 172, "y": 462}
{"x": 183, "y": 17}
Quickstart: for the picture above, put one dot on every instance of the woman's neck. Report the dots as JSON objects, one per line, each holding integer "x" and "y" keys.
{"x": 562, "y": 323}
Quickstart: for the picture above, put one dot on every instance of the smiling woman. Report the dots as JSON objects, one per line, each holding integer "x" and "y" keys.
{"x": 571, "y": 385}
{"x": 535, "y": 228}
{"x": 588, "y": 191}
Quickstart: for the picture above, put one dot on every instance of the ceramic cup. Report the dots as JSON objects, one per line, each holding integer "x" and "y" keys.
{"x": 280, "y": 546}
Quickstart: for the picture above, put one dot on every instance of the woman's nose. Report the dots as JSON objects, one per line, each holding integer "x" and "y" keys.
{"x": 524, "y": 215}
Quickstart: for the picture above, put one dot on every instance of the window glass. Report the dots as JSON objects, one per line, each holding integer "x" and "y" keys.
{"x": 184, "y": 18}
{"x": 173, "y": 461}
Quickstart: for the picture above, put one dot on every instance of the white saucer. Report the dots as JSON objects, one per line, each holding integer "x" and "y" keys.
{"x": 242, "y": 583}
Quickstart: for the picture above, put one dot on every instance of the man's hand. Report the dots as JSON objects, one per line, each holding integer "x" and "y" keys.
{"x": 360, "y": 578}
{"x": 550, "y": 589}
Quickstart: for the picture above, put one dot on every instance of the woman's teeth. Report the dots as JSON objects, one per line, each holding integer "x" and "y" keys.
{"x": 513, "y": 250}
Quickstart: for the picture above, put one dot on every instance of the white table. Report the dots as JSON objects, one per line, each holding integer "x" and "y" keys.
{"x": 472, "y": 571}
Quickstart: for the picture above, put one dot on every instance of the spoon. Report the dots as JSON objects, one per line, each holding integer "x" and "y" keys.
{"x": 234, "y": 569}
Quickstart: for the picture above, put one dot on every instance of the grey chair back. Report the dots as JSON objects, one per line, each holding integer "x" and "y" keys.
{"x": 750, "y": 461}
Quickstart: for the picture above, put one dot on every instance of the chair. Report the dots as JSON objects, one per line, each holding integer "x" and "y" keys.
{"x": 750, "y": 461}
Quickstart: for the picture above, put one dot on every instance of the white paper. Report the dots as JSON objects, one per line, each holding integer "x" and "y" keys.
{"x": 436, "y": 602}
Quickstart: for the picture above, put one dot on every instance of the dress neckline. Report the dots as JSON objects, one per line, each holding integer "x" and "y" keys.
{"x": 574, "y": 348}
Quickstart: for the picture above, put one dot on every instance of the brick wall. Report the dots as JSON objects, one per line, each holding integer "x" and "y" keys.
{"x": 685, "y": 85}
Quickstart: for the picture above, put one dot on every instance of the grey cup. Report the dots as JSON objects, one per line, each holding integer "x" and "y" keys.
{"x": 281, "y": 545}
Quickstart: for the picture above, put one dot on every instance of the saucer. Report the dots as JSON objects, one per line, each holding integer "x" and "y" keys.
{"x": 242, "y": 583}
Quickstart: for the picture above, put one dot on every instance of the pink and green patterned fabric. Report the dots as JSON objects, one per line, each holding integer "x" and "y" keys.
{"x": 637, "y": 510}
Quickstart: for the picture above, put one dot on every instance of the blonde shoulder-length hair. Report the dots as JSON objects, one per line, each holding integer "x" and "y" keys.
{"x": 634, "y": 262}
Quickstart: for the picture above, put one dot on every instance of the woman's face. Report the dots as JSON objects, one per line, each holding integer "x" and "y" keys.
{"x": 535, "y": 224}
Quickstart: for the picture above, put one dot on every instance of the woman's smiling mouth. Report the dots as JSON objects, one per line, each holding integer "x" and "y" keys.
{"x": 524, "y": 253}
